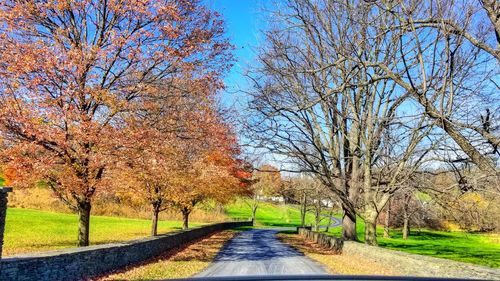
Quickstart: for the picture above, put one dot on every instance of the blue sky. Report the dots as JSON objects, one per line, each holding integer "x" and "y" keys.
{"x": 243, "y": 20}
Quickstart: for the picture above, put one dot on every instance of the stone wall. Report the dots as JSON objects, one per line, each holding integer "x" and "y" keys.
{"x": 406, "y": 264}
{"x": 3, "y": 212}
{"x": 324, "y": 240}
{"x": 86, "y": 262}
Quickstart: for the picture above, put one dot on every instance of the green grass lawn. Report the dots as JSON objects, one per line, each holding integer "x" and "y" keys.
{"x": 482, "y": 249}
{"x": 34, "y": 231}
{"x": 269, "y": 214}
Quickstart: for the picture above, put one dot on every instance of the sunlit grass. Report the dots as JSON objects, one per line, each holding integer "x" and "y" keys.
{"x": 477, "y": 248}
{"x": 269, "y": 214}
{"x": 35, "y": 231}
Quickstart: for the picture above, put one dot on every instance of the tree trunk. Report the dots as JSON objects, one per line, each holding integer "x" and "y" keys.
{"x": 406, "y": 216}
{"x": 317, "y": 215}
{"x": 349, "y": 225}
{"x": 406, "y": 227}
{"x": 254, "y": 211}
{"x": 330, "y": 215}
{"x": 387, "y": 233}
{"x": 185, "y": 218}
{"x": 154, "y": 221}
{"x": 83, "y": 223}
{"x": 370, "y": 217}
{"x": 303, "y": 210}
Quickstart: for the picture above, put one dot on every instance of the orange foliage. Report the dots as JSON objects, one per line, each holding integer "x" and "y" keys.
{"x": 67, "y": 95}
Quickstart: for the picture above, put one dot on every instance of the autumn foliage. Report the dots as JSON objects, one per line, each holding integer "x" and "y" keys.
{"x": 89, "y": 88}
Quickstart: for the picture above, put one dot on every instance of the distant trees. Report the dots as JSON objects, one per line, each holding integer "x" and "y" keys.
{"x": 313, "y": 197}
{"x": 205, "y": 174}
{"x": 73, "y": 74}
{"x": 168, "y": 147}
{"x": 266, "y": 181}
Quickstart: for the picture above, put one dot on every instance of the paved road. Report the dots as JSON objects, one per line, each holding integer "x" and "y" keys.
{"x": 259, "y": 252}
{"x": 335, "y": 222}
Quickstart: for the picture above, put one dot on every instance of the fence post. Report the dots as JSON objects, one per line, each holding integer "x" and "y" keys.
{"x": 3, "y": 212}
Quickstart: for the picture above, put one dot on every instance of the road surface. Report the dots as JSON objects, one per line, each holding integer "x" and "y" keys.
{"x": 334, "y": 223}
{"x": 259, "y": 252}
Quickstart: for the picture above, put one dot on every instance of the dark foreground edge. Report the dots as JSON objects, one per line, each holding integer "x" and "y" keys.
{"x": 321, "y": 277}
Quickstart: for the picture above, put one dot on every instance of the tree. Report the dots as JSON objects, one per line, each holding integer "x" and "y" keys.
{"x": 174, "y": 120}
{"x": 301, "y": 190}
{"x": 207, "y": 168}
{"x": 313, "y": 197}
{"x": 71, "y": 70}
{"x": 206, "y": 179}
{"x": 448, "y": 62}
{"x": 267, "y": 181}
{"x": 333, "y": 117}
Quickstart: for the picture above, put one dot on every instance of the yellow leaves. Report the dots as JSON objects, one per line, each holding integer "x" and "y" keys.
{"x": 474, "y": 199}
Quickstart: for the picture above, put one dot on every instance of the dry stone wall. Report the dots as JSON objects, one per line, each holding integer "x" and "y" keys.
{"x": 86, "y": 262}
{"x": 330, "y": 242}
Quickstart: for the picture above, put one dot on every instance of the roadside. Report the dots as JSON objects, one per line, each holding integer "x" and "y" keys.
{"x": 336, "y": 264}
{"x": 181, "y": 262}
{"x": 361, "y": 259}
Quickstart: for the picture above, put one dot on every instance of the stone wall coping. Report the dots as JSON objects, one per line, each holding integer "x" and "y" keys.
{"x": 5, "y": 189}
{"x": 76, "y": 250}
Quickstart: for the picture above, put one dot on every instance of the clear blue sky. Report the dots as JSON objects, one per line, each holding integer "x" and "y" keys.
{"x": 243, "y": 20}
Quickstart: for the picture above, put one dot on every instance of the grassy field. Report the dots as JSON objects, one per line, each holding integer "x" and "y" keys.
{"x": 269, "y": 214}
{"x": 482, "y": 249}
{"x": 35, "y": 231}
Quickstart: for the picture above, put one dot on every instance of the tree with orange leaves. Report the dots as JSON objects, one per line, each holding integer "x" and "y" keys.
{"x": 207, "y": 169}
{"x": 72, "y": 71}
{"x": 165, "y": 141}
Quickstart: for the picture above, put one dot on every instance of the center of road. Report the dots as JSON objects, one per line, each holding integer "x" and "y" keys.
{"x": 259, "y": 252}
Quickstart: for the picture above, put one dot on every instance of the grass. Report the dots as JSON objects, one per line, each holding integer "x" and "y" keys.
{"x": 269, "y": 214}
{"x": 460, "y": 246}
{"x": 476, "y": 248}
{"x": 179, "y": 263}
{"x": 34, "y": 231}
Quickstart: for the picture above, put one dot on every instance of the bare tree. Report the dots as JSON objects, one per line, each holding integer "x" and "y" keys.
{"x": 333, "y": 117}
{"x": 448, "y": 62}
